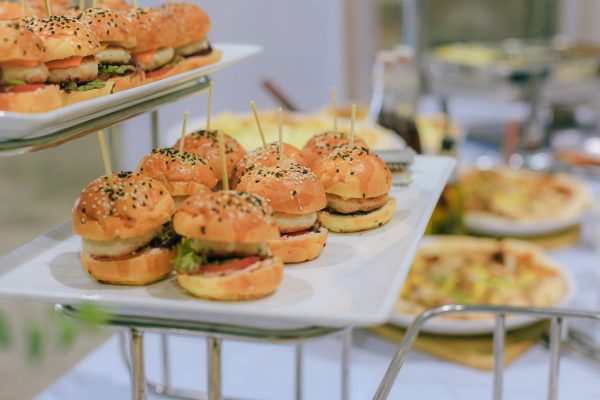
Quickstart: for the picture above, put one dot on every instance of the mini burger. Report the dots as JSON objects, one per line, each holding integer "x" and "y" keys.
{"x": 357, "y": 183}
{"x": 296, "y": 196}
{"x": 23, "y": 73}
{"x": 70, "y": 57}
{"x": 192, "y": 48}
{"x": 323, "y": 144}
{"x": 182, "y": 174}
{"x": 206, "y": 145}
{"x": 10, "y": 10}
{"x": 267, "y": 157}
{"x": 127, "y": 237}
{"x": 116, "y": 37}
{"x": 223, "y": 254}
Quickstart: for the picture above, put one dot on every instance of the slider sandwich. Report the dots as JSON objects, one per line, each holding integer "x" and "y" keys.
{"x": 357, "y": 183}
{"x": 10, "y": 10}
{"x": 267, "y": 157}
{"x": 23, "y": 73}
{"x": 182, "y": 174}
{"x": 324, "y": 143}
{"x": 223, "y": 254}
{"x": 70, "y": 57}
{"x": 296, "y": 196}
{"x": 206, "y": 145}
{"x": 127, "y": 237}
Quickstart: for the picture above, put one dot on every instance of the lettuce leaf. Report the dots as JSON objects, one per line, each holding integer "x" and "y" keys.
{"x": 82, "y": 87}
{"x": 187, "y": 258}
{"x": 115, "y": 69}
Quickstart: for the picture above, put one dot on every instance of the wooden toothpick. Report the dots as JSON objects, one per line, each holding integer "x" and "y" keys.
{"x": 48, "y": 9}
{"x": 25, "y": 5}
{"x": 280, "y": 111}
{"x": 224, "y": 175}
{"x": 209, "y": 111}
{"x": 81, "y": 5}
{"x": 334, "y": 108}
{"x": 135, "y": 4}
{"x": 183, "y": 131}
{"x": 260, "y": 131}
{"x": 352, "y": 122}
{"x": 105, "y": 158}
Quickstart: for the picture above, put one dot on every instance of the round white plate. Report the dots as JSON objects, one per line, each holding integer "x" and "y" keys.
{"x": 490, "y": 225}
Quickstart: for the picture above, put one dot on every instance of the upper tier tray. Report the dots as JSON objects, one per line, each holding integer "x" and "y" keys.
{"x": 355, "y": 281}
{"x": 26, "y": 126}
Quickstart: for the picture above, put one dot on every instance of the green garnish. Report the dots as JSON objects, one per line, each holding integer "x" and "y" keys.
{"x": 11, "y": 84}
{"x": 74, "y": 87}
{"x": 115, "y": 69}
{"x": 187, "y": 258}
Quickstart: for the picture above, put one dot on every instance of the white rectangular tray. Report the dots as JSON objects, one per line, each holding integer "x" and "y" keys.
{"x": 21, "y": 126}
{"x": 354, "y": 282}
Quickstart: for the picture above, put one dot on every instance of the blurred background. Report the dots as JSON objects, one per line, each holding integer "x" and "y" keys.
{"x": 485, "y": 70}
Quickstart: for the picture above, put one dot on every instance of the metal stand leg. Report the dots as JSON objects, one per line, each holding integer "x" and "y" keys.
{"x": 346, "y": 348}
{"x": 298, "y": 370}
{"x": 555, "y": 337}
{"x": 213, "y": 356}
{"x": 138, "y": 379}
{"x": 154, "y": 128}
{"x": 164, "y": 347}
{"x": 499, "y": 336}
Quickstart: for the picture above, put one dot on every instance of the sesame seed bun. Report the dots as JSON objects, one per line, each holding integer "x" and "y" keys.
{"x": 135, "y": 205}
{"x": 115, "y": 5}
{"x": 152, "y": 29}
{"x": 37, "y": 101}
{"x": 110, "y": 27}
{"x": 354, "y": 173}
{"x": 267, "y": 157}
{"x": 64, "y": 37}
{"x": 182, "y": 174}
{"x": 141, "y": 269}
{"x": 226, "y": 216}
{"x": 10, "y": 10}
{"x": 358, "y": 222}
{"x": 193, "y": 24}
{"x": 305, "y": 246}
{"x": 290, "y": 188}
{"x": 206, "y": 145}
{"x": 19, "y": 43}
{"x": 323, "y": 144}
{"x": 257, "y": 282}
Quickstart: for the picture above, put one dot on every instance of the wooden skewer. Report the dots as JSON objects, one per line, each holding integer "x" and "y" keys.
{"x": 209, "y": 111}
{"x": 352, "y": 122}
{"x": 135, "y": 4}
{"x": 105, "y": 158}
{"x": 260, "y": 131}
{"x": 280, "y": 110}
{"x": 48, "y": 9}
{"x": 81, "y": 5}
{"x": 183, "y": 131}
{"x": 25, "y": 4}
{"x": 224, "y": 175}
{"x": 334, "y": 108}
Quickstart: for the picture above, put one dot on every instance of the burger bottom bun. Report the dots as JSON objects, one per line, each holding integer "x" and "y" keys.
{"x": 194, "y": 62}
{"x": 127, "y": 82}
{"x": 37, "y": 101}
{"x": 358, "y": 222}
{"x": 297, "y": 249}
{"x": 241, "y": 285}
{"x": 142, "y": 269}
{"x": 76, "y": 97}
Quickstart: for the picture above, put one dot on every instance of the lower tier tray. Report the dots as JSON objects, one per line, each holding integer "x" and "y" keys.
{"x": 354, "y": 282}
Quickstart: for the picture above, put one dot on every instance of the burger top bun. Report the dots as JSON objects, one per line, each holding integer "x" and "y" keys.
{"x": 355, "y": 172}
{"x": 193, "y": 24}
{"x": 226, "y": 216}
{"x": 324, "y": 143}
{"x": 110, "y": 27}
{"x": 152, "y": 29}
{"x": 19, "y": 43}
{"x": 133, "y": 206}
{"x": 268, "y": 157}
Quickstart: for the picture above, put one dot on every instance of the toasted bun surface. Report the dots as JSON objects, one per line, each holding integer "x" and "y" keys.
{"x": 135, "y": 205}
{"x": 194, "y": 62}
{"x": 76, "y": 97}
{"x": 358, "y": 222}
{"x": 183, "y": 174}
{"x": 243, "y": 285}
{"x": 291, "y": 189}
{"x": 115, "y": 5}
{"x": 37, "y": 101}
{"x": 19, "y": 43}
{"x": 206, "y": 145}
{"x": 324, "y": 143}
{"x": 109, "y": 26}
{"x": 354, "y": 172}
{"x": 141, "y": 269}
{"x": 193, "y": 24}
{"x": 226, "y": 216}
{"x": 64, "y": 37}
{"x": 268, "y": 157}
{"x": 152, "y": 29}
{"x": 10, "y": 10}
{"x": 299, "y": 248}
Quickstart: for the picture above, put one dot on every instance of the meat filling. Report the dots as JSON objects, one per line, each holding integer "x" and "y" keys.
{"x": 86, "y": 71}
{"x": 352, "y": 205}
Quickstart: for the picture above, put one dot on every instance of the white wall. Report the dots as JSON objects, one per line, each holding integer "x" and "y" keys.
{"x": 304, "y": 54}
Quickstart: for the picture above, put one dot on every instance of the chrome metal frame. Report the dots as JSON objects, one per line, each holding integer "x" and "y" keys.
{"x": 556, "y": 316}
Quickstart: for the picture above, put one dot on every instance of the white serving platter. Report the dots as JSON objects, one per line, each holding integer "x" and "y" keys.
{"x": 21, "y": 126}
{"x": 496, "y": 226}
{"x": 355, "y": 281}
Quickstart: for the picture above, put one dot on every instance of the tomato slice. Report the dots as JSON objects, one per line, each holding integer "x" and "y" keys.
{"x": 30, "y": 87}
{"x": 146, "y": 56}
{"x": 158, "y": 72}
{"x": 234, "y": 265}
{"x": 22, "y": 63}
{"x": 71, "y": 62}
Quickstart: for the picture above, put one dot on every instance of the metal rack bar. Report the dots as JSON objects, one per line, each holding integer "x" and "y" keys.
{"x": 499, "y": 339}
{"x": 299, "y": 362}
{"x": 138, "y": 378}
{"x": 213, "y": 368}
{"x": 555, "y": 338}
